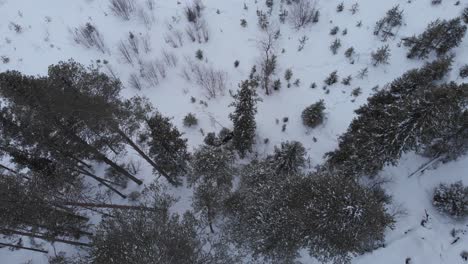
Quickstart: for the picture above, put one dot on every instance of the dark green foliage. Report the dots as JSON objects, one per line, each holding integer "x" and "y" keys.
{"x": 259, "y": 214}
{"x": 347, "y": 80}
{"x": 288, "y": 75}
{"x": 451, "y": 199}
{"x": 28, "y": 206}
{"x": 167, "y": 147}
{"x": 262, "y": 20}
{"x": 336, "y": 44}
{"x": 381, "y": 56}
{"x": 313, "y": 115}
{"x": 199, "y": 54}
{"x": 289, "y": 158}
{"x": 274, "y": 215}
{"x": 393, "y": 19}
{"x": 340, "y": 217}
{"x": 332, "y": 78}
{"x": 149, "y": 237}
{"x": 190, "y": 120}
{"x": 212, "y": 173}
{"x": 277, "y": 85}
{"x": 464, "y": 71}
{"x": 243, "y": 23}
{"x": 334, "y": 30}
{"x": 440, "y": 36}
{"x": 340, "y": 7}
{"x": 78, "y": 113}
{"x": 243, "y": 118}
{"x": 413, "y": 113}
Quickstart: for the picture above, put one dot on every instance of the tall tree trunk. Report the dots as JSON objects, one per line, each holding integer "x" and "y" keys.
{"x": 21, "y": 247}
{"x": 98, "y": 155}
{"x": 103, "y": 182}
{"x": 111, "y": 206}
{"x": 7, "y": 231}
{"x": 8, "y": 169}
{"x": 144, "y": 156}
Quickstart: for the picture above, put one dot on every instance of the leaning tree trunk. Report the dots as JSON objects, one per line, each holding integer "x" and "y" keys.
{"x": 21, "y": 247}
{"x": 144, "y": 156}
{"x": 7, "y": 231}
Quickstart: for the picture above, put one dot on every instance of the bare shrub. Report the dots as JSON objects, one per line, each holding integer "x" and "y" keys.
{"x": 125, "y": 52}
{"x": 193, "y": 12}
{"x": 169, "y": 58}
{"x": 135, "y": 82}
{"x": 302, "y": 13}
{"x": 146, "y": 18}
{"x": 146, "y": 43}
{"x": 130, "y": 48}
{"x": 161, "y": 68}
{"x": 89, "y": 36}
{"x": 149, "y": 72}
{"x": 198, "y": 31}
{"x": 150, "y": 4}
{"x": 174, "y": 38}
{"x": 122, "y": 8}
{"x": 212, "y": 81}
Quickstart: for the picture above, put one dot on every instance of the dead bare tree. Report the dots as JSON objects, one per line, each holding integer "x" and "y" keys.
{"x": 267, "y": 47}
{"x": 302, "y": 13}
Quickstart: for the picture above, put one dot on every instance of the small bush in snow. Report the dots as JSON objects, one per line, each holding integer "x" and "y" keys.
{"x": 340, "y": 7}
{"x": 334, "y": 30}
{"x": 122, "y": 8}
{"x": 336, "y": 44}
{"x": 356, "y": 92}
{"x": 313, "y": 115}
{"x": 384, "y": 27}
{"x": 236, "y": 64}
{"x": 354, "y": 8}
{"x": 243, "y": 23}
{"x": 347, "y": 80}
{"x": 190, "y": 120}
{"x": 464, "y": 71}
{"x": 199, "y": 54}
{"x": 451, "y": 199}
{"x": 381, "y": 55}
{"x": 332, "y": 78}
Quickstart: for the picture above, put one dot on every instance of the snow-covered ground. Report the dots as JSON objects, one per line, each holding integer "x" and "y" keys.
{"x": 46, "y": 38}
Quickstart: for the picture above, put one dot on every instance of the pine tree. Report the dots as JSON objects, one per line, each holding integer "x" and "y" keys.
{"x": 396, "y": 120}
{"x": 243, "y": 118}
{"x": 212, "y": 174}
{"x": 313, "y": 115}
{"x": 440, "y": 36}
{"x": 339, "y": 217}
{"x": 381, "y": 56}
{"x": 451, "y": 199}
{"x": 259, "y": 214}
{"x": 167, "y": 147}
{"x": 289, "y": 158}
{"x": 393, "y": 19}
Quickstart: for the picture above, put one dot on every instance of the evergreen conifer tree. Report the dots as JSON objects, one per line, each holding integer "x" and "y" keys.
{"x": 167, "y": 147}
{"x": 243, "y": 118}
